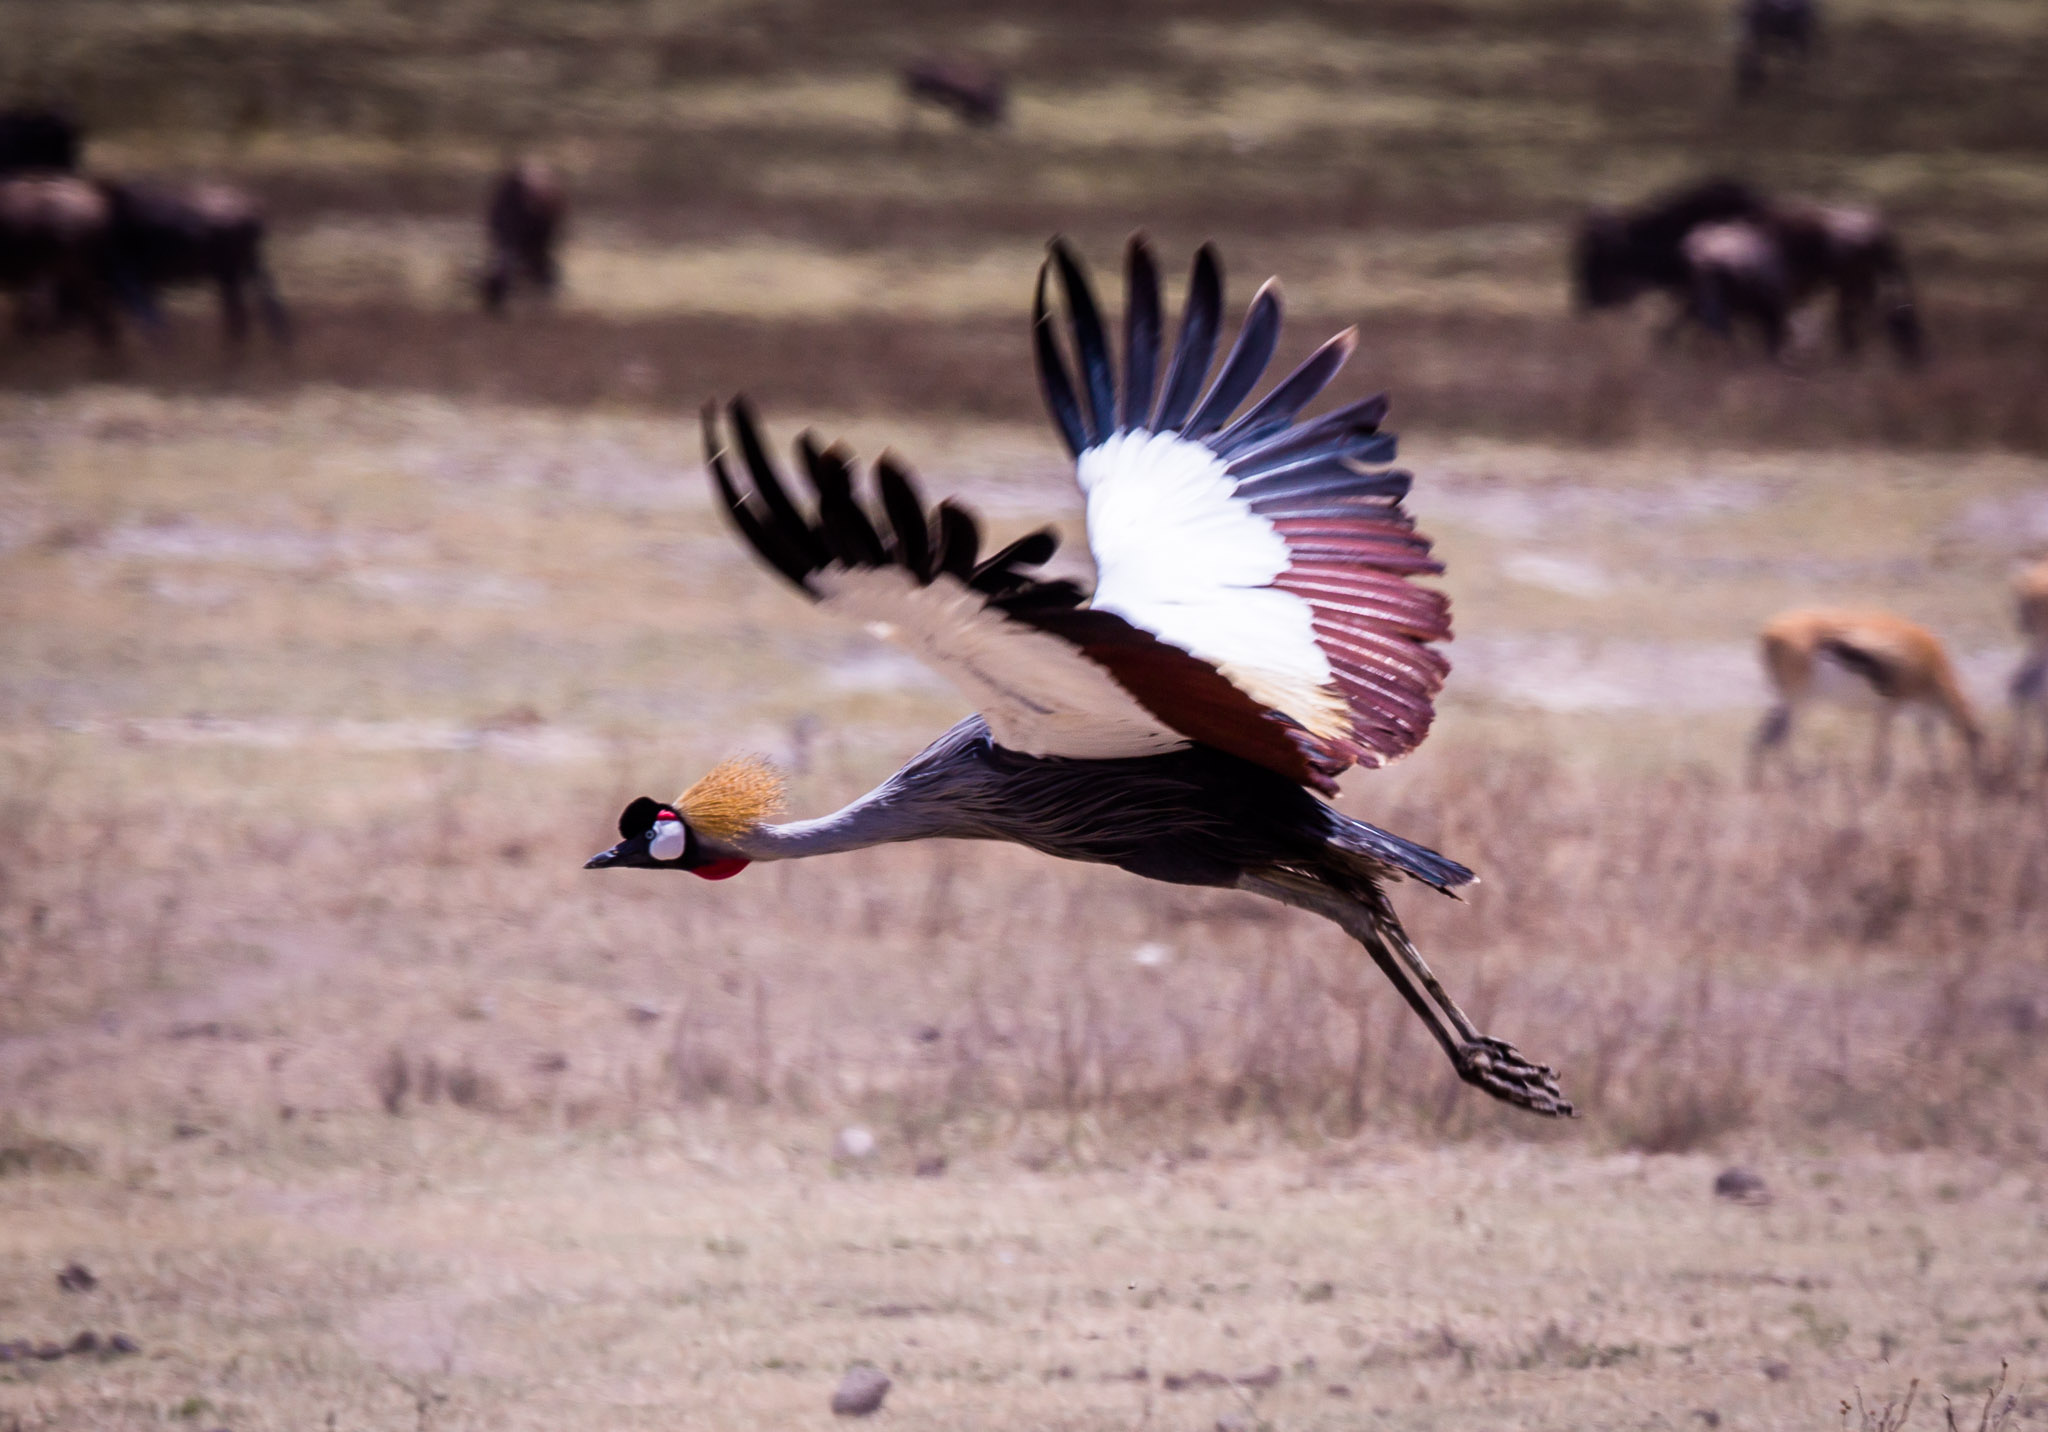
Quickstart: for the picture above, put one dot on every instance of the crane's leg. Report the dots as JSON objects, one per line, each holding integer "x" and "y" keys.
{"x": 1481, "y": 1060}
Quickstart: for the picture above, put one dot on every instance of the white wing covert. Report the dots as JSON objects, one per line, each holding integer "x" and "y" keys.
{"x": 1276, "y": 551}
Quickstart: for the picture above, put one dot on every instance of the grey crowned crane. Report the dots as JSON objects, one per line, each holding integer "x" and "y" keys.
{"x": 1254, "y": 631}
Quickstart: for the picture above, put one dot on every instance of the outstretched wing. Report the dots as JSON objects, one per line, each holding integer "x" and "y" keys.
{"x": 1275, "y": 551}
{"x": 1051, "y": 677}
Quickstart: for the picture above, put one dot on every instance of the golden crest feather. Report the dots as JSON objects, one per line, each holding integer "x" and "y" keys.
{"x": 732, "y": 798}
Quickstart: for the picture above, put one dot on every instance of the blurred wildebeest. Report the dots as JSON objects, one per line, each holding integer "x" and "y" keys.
{"x": 1620, "y": 253}
{"x": 1763, "y": 269}
{"x": 37, "y": 139}
{"x": 1736, "y": 275}
{"x": 524, "y": 219}
{"x": 976, "y": 92}
{"x": 204, "y": 233}
{"x": 1762, "y": 27}
{"x": 54, "y": 252}
{"x": 1725, "y": 252}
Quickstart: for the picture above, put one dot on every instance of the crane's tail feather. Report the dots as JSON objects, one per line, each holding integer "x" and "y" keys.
{"x": 1386, "y": 852}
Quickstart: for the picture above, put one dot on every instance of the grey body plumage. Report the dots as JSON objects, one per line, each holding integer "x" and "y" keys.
{"x": 1190, "y": 817}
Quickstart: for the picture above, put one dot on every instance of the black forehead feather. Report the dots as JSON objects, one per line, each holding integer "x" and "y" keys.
{"x": 638, "y": 818}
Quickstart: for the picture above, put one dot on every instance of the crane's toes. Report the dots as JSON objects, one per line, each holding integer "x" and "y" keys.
{"x": 1501, "y": 1070}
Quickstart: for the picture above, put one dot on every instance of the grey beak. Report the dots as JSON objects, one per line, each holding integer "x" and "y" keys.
{"x": 603, "y": 859}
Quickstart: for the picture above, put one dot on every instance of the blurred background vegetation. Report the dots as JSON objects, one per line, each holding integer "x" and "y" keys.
{"x": 757, "y": 202}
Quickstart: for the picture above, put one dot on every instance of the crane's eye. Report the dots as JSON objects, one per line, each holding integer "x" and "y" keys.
{"x": 668, "y": 840}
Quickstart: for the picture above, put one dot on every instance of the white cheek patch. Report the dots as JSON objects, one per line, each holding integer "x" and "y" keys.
{"x": 670, "y": 840}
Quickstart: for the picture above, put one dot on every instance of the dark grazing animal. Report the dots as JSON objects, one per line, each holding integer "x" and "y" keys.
{"x": 1760, "y": 271}
{"x": 42, "y": 139}
{"x": 166, "y": 237}
{"x": 1735, "y": 275}
{"x": 524, "y": 220}
{"x": 976, "y": 92}
{"x": 1729, "y": 254}
{"x": 1254, "y": 631}
{"x": 1787, "y": 28}
{"x": 1620, "y": 253}
{"x": 55, "y": 253}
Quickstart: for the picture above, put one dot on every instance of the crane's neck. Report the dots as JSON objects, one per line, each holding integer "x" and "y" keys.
{"x": 938, "y": 794}
{"x": 871, "y": 820}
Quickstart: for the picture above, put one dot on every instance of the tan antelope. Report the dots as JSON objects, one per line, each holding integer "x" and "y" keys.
{"x": 1900, "y": 663}
{"x": 2030, "y": 682}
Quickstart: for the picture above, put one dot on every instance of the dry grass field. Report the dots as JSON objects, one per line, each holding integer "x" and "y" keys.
{"x": 322, "y": 672}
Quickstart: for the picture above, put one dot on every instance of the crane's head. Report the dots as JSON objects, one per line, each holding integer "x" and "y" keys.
{"x": 697, "y": 831}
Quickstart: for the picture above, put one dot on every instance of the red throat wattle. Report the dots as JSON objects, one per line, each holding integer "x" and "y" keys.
{"x": 721, "y": 869}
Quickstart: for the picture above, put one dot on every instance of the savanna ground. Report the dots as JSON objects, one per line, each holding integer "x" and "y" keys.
{"x": 323, "y": 672}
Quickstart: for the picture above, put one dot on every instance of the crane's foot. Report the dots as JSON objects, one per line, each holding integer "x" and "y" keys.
{"x": 1501, "y": 1070}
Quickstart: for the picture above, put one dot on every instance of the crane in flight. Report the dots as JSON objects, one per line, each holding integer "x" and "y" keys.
{"x": 1255, "y": 630}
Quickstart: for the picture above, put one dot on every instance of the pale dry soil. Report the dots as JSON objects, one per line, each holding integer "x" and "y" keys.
{"x": 363, "y": 679}
{"x": 710, "y": 1271}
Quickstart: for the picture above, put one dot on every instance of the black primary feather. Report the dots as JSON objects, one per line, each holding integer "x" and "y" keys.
{"x": 1001, "y": 572}
{"x": 792, "y": 525}
{"x": 773, "y": 549}
{"x": 1040, "y": 596}
{"x": 959, "y": 540}
{"x": 1091, "y": 344}
{"x": 1272, "y": 413}
{"x": 1242, "y": 369}
{"x": 1326, "y": 479}
{"x": 1200, "y": 319}
{"x": 924, "y": 542}
{"x": 907, "y": 517}
{"x": 847, "y": 531}
{"x": 1341, "y": 432}
{"x": 1052, "y": 373}
{"x": 1141, "y": 337}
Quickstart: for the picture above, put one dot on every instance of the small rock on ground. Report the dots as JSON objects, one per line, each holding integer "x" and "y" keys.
{"x": 1739, "y": 1185}
{"x": 77, "y": 1278}
{"x": 860, "y": 1392}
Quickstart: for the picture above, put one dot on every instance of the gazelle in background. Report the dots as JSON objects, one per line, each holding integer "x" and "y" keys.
{"x": 2030, "y": 682}
{"x": 1898, "y": 662}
